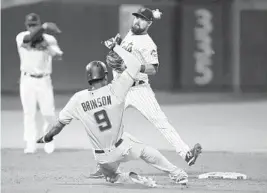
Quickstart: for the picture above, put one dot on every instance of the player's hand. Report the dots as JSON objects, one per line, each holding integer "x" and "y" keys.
{"x": 112, "y": 42}
{"x": 45, "y": 139}
{"x": 51, "y": 26}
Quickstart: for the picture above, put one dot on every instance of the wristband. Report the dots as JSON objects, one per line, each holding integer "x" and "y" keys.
{"x": 143, "y": 68}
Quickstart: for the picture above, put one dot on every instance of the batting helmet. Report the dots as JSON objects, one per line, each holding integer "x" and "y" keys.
{"x": 96, "y": 70}
{"x": 32, "y": 19}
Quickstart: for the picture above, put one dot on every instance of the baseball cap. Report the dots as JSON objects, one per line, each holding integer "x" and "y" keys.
{"x": 145, "y": 13}
{"x": 32, "y": 18}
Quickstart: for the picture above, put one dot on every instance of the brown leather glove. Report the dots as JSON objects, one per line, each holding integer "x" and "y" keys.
{"x": 115, "y": 62}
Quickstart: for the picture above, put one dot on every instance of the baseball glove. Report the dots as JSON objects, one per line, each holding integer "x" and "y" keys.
{"x": 115, "y": 62}
{"x": 39, "y": 44}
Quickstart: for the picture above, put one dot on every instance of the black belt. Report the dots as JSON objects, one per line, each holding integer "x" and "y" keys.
{"x": 35, "y": 75}
{"x": 138, "y": 82}
{"x": 116, "y": 145}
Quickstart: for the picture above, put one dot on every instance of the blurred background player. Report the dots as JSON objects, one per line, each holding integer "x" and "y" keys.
{"x": 100, "y": 109}
{"x": 36, "y": 50}
{"x": 141, "y": 96}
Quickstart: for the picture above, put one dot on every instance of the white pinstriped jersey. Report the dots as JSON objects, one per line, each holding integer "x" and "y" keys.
{"x": 145, "y": 46}
{"x": 142, "y": 97}
{"x": 36, "y": 61}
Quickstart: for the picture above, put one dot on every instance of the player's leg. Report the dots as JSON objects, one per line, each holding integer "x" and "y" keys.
{"x": 29, "y": 102}
{"x": 110, "y": 171}
{"x": 153, "y": 157}
{"x": 112, "y": 174}
{"x": 127, "y": 152}
{"x": 47, "y": 107}
{"x": 98, "y": 173}
{"x": 143, "y": 99}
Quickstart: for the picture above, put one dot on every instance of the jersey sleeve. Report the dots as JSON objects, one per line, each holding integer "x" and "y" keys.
{"x": 19, "y": 39}
{"x": 69, "y": 111}
{"x": 53, "y": 45}
{"x": 123, "y": 83}
{"x": 149, "y": 53}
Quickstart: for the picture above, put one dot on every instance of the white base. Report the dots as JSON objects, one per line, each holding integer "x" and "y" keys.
{"x": 223, "y": 175}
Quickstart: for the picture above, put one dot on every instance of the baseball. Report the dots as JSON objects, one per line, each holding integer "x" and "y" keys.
{"x": 49, "y": 148}
{"x": 157, "y": 14}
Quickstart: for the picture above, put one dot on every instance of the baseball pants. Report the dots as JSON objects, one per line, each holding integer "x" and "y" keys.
{"x": 143, "y": 99}
{"x": 132, "y": 149}
{"x": 35, "y": 91}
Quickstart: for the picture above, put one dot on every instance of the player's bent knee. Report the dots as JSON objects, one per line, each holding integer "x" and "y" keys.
{"x": 149, "y": 154}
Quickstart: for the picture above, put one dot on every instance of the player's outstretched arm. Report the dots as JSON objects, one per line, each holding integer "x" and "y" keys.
{"x": 122, "y": 85}
{"x": 65, "y": 117}
{"x": 56, "y": 129}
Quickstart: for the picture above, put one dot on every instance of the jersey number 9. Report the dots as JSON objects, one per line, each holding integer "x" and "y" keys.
{"x": 101, "y": 118}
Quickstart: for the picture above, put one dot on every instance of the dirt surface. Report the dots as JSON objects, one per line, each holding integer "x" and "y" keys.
{"x": 219, "y": 125}
{"x": 67, "y": 171}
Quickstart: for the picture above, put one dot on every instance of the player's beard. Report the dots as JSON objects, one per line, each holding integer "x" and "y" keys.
{"x": 137, "y": 30}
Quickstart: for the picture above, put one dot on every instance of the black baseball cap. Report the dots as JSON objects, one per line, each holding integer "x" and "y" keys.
{"x": 145, "y": 13}
{"x": 32, "y": 19}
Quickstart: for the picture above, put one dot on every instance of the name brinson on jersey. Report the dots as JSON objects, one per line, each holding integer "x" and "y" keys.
{"x": 96, "y": 103}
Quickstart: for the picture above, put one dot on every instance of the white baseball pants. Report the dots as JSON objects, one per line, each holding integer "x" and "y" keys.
{"x": 132, "y": 149}
{"x": 143, "y": 99}
{"x": 35, "y": 91}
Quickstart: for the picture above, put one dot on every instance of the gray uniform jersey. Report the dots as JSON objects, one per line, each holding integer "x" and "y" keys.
{"x": 101, "y": 110}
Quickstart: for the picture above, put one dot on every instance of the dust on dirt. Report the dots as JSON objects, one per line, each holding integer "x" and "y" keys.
{"x": 67, "y": 171}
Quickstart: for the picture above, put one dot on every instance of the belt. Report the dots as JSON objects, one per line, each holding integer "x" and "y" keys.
{"x": 35, "y": 75}
{"x": 116, "y": 145}
{"x": 138, "y": 82}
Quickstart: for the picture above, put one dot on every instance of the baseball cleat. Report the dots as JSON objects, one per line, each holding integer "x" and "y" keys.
{"x": 137, "y": 179}
{"x": 49, "y": 147}
{"x": 97, "y": 175}
{"x": 180, "y": 177}
{"x": 29, "y": 151}
{"x": 183, "y": 181}
{"x": 193, "y": 154}
{"x": 30, "y": 148}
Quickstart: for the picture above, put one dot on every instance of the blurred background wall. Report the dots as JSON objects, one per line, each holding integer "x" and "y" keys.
{"x": 204, "y": 45}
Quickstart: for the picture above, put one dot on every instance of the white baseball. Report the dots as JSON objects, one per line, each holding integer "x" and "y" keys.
{"x": 157, "y": 14}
